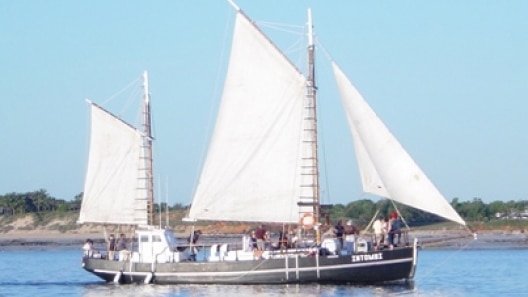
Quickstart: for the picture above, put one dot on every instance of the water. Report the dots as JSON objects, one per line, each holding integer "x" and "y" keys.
{"x": 57, "y": 272}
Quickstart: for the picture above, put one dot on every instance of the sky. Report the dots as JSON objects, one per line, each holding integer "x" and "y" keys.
{"x": 449, "y": 78}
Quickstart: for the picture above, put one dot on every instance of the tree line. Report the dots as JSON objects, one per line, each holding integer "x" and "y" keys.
{"x": 362, "y": 210}
{"x": 35, "y": 202}
{"x": 475, "y": 210}
{"x": 41, "y": 201}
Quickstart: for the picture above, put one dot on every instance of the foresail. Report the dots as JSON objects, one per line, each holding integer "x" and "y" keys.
{"x": 370, "y": 179}
{"x": 386, "y": 168}
{"x": 251, "y": 172}
{"x": 113, "y": 193}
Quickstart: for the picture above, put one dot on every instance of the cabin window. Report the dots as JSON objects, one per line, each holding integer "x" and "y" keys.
{"x": 156, "y": 238}
{"x": 144, "y": 238}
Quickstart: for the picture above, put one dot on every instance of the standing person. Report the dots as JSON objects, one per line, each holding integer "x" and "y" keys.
{"x": 253, "y": 244}
{"x": 195, "y": 237}
{"x": 260, "y": 234}
{"x": 385, "y": 229}
{"x": 111, "y": 247}
{"x": 378, "y": 231}
{"x": 395, "y": 230}
{"x": 350, "y": 231}
{"x": 124, "y": 253}
{"x": 192, "y": 243}
{"x": 350, "y": 228}
{"x": 267, "y": 241}
{"x": 88, "y": 248}
{"x": 339, "y": 230}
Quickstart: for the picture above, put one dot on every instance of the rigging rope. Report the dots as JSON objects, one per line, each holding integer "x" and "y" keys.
{"x": 371, "y": 221}
{"x": 399, "y": 215}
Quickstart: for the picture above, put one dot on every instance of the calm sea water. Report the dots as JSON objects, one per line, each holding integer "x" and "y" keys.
{"x": 57, "y": 272}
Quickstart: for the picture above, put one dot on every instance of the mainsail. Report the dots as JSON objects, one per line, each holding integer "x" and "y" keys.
{"x": 251, "y": 172}
{"x": 113, "y": 193}
{"x": 386, "y": 168}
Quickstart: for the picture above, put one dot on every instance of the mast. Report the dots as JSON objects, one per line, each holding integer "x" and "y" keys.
{"x": 147, "y": 142}
{"x": 312, "y": 115}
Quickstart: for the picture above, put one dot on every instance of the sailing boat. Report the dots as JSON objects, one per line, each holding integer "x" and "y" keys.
{"x": 262, "y": 166}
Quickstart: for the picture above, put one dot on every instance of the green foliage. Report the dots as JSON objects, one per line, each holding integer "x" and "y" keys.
{"x": 362, "y": 211}
{"x": 40, "y": 203}
{"x": 33, "y": 202}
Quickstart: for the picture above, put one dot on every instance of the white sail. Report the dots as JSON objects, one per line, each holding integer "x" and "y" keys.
{"x": 252, "y": 170}
{"x": 386, "y": 168}
{"x": 113, "y": 190}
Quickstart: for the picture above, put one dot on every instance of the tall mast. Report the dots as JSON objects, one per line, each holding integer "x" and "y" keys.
{"x": 147, "y": 129}
{"x": 311, "y": 106}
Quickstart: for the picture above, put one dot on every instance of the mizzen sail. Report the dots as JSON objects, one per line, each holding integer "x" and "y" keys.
{"x": 113, "y": 190}
{"x": 386, "y": 168}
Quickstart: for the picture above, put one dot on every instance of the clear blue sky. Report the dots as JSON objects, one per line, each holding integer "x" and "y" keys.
{"x": 449, "y": 78}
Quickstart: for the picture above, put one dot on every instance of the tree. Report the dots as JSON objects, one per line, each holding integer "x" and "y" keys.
{"x": 363, "y": 210}
{"x": 497, "y": 207}
{"x": 475, "y": 210}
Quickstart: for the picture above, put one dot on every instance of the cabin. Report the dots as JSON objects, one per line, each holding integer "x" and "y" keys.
{"x": 159, "y": 246}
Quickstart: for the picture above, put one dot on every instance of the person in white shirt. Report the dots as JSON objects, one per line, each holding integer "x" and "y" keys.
{"x": 378, "y": 231}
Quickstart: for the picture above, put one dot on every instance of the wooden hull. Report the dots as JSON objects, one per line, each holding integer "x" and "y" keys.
{"x": 359, "y": 268}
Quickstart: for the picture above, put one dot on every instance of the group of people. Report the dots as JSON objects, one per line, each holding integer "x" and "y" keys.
{"x": 120, "y": 245}
{"x": 388, "y": 230}
{"x": 260, "y": 240}
{"x": 345, "y": 231}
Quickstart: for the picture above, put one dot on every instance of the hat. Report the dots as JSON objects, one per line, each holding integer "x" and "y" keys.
{"x": 349, "y": 223}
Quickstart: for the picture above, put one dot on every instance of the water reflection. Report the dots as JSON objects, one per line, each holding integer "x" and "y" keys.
{"x": 306, "y": 290}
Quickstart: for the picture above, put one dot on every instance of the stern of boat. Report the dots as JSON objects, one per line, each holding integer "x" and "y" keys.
{"x": 415, "y": 259}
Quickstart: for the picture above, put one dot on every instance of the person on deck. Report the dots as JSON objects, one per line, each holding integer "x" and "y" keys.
{"x": 350, "y": 228}
{"x": 88, "y": 248}
{"x": 111, "y": 247}
{"x": 378, "y": 231}
{"x": 395, "y": 230}
{"x": 192, "y": 243}
{"x": 122, "y": 248}
{"x": 253, "y": 242}
{"x": 350, "y": 232}
{"x": 385, "y": 230}
{"x": 260, "y": 234}
{"x": 283, "y": 241}
{"x": 339, "y": 230}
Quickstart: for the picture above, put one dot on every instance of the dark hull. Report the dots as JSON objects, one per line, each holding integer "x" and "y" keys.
{"x": 360, "y": 268}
